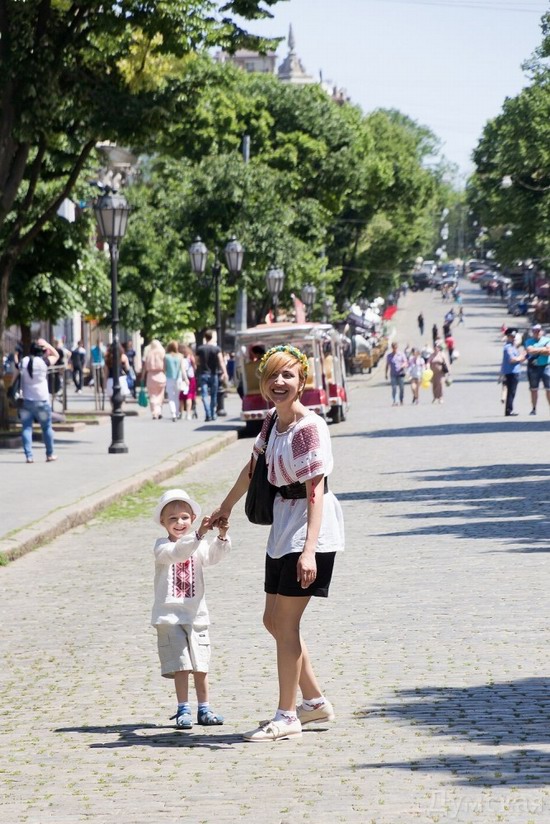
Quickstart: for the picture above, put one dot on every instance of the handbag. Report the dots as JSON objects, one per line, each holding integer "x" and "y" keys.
{"x": 143, "y": 397}
{"x": 448, "y": 380}
{"x": 15, "y": 391}
{"x": 261, "y": 493}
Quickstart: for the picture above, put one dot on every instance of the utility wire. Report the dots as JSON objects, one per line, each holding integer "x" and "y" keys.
{"x": 484, "y": 5}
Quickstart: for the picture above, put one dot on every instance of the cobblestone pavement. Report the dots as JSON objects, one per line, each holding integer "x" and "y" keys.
{"x": 432, "y": 645}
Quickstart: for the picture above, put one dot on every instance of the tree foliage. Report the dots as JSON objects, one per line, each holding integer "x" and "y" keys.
{"x": 73, "y": 72}
{"x": 509, "y": 193}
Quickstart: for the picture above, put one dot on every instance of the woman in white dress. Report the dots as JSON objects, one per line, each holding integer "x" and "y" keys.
{"x": 307, "y": 532}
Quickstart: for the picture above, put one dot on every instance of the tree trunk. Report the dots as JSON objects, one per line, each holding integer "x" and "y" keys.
{"x": 5, "y": 273}
{"x": 26, "y": 337}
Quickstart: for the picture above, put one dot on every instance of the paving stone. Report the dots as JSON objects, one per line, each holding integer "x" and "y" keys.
{"x": 432, "y": 644}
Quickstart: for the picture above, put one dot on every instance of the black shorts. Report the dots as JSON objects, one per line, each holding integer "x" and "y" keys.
{"x": 280, "y": 575}
{"x": 536, "y": 374}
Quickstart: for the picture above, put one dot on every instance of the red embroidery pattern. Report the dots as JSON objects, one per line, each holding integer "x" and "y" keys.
{"x": 284, "y": 471}
{"x": 306, "y": 446}
{"x": 305, "y": 440}
{"x": 183, "y": 579}
{"x": 310, "y": 470}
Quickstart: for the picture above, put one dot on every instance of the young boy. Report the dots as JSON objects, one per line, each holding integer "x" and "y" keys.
{"x": 180, "y": 614}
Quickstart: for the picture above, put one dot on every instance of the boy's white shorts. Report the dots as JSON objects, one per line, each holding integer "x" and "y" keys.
{"x": 182, "y": 647}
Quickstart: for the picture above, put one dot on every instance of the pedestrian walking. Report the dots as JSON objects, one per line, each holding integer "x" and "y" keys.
{"x": 306, "y": 534}
{"x": 36, "y": 399}
{"x": 537, "y": 346}
{"x": 396, "y": 366}
{"x": 109, "y": 373}
{"x": 155, "y": 377}
{"x": 416, "y": 366}
{"x": 511, "y": 369}
{"x": 97, "y": 355}
{"x": 450, "y": 344}
{"x": 435, "y": 334}
{"x": 130, "y": 353}
{"x": 420, "y": 321}
{"x": 209, "y": 362}
{"x": 440, "y": 369}
{"x": 176, "y": 377}
{"x": 188, "y": 396}
{"x": 180, "y": 615}
{"x": 78, "y": 362}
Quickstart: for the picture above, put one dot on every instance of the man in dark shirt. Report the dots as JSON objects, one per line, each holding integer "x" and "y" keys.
{"x": 209, "y": 362}
{"x": 78, "y": 361}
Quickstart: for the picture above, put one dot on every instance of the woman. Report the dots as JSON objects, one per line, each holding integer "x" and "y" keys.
{"x": 440, "y": 368}
{"x": 187, "y": 396}
{"x": 36, "y": 398}
{"x": 123, "y": 369}
{"x": 307, "y": 532}
{"x": 155, "y": 377}
{"x": 416, "y": 367}
{"x": 176, "y": 376}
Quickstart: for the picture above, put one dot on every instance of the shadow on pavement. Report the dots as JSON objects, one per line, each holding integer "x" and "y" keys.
{"x": 515, "y": 768}
{"x": 500, "y": 714}
{"x": 513, "y": 502}
{"x": 151, "y": 735}
{"x": 499, "y": 424}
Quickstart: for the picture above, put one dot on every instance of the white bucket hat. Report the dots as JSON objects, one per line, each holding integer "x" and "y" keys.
{"x": 175, "y": 495}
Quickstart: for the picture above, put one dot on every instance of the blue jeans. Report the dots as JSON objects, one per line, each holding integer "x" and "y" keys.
{"x": 41, "y": 412}
{"x": 397, "y": 382}
{"x": 209, "y": 393}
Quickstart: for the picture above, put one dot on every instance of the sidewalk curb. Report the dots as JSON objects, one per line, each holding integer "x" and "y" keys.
{"x": 61, "y": 520}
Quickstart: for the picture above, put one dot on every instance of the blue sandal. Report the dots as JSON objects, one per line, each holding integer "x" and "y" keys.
{"x": 207, "y": 718}
{"x": 183, "y": 720}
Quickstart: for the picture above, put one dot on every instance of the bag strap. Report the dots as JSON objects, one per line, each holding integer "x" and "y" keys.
{"x": 267, "y": 434}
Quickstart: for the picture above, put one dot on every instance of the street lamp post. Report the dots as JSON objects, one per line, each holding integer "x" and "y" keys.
{"x": 275, "y": 279}
{"x": 111, "y": 211}
{"x": 234, "y": 254}
{"x": 309, "y": 293}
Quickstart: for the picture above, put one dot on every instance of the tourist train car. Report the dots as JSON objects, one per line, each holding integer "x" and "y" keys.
{"x": 325, "y": 390}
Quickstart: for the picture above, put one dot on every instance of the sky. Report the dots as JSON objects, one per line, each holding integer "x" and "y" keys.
{"x": 448, "y": 64}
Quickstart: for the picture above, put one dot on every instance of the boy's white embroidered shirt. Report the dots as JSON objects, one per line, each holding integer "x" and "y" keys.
{"x": 179, "y": 580}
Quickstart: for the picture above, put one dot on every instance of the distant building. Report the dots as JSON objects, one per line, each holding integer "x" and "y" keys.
{"x": 250, "y": 61}
{"x": 291, "y": 70}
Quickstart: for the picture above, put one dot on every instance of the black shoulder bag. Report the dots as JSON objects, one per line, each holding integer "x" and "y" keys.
{"x": 261, "y": 493}
{"x": 15, "y": 391}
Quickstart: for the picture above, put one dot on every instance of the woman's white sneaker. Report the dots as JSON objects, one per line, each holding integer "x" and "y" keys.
{"x": 321, "y": 712}
{"x": 275, "y": 731}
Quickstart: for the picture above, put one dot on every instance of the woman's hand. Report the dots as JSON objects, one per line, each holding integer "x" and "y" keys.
{"x": 306, "y": 569}
{"x": 220, "y": 517}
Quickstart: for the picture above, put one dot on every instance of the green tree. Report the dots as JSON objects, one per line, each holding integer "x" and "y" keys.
{"x": 62, "y": 79}
{"x": 509, "y": 192}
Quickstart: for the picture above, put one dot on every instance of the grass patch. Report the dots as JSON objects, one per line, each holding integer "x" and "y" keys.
{"x": 143, "y": 502}
{"x": 133, "y": 506}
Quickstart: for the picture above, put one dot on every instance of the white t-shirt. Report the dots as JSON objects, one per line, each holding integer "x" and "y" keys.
{"x": 35, "y": 388}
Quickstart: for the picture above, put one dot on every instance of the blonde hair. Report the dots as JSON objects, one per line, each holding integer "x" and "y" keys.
{"x": 277, "y": 361}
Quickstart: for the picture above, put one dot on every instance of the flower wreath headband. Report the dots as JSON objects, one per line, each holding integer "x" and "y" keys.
{"x": 291, "y": 351}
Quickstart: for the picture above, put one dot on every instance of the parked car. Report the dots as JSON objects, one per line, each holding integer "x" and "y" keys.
{"x": 420, "y": 281}
{"x": 450, "y": 270}
{"x": 475, "y": 275}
